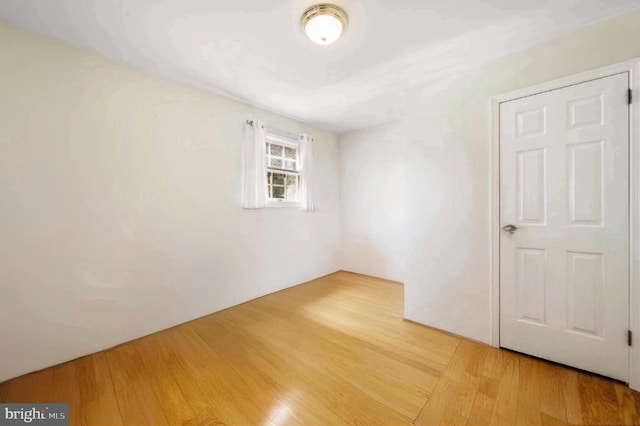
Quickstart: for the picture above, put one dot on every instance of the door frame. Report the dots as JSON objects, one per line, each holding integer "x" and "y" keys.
{"x": 633, "y": 68}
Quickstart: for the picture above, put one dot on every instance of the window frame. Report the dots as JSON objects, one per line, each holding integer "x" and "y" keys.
{"x": 285, "y": 142}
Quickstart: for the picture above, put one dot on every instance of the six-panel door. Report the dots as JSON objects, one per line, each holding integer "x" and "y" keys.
{"x": 564, "y": 178}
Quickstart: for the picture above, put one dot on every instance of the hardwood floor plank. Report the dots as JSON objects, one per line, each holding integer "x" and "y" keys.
{"x": 99, "y": 405}
{"x": 529, "y": 384}
{"x": 527, "y": 414}
{"x": 506, "y": 408}
{"x": 571, "y": 393}
{"x": 66, "y": 384}
{"x": 333, "y": 351}
{"x": 491, "y": 367}
{"x": 548, "y": 420}
{"x": 598, "y": 401}
{"x": 434, "y": 410}
{"x": 4, "y": 392}
{"x": 551, "y": 395}
{"x": 484, "y": 402}
{"x": 136, "y": 401}
{"x": 630, "y": 410}
{"x": 35, "y": 387}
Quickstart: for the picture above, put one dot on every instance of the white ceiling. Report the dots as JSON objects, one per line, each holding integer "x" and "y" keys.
{"x": 254, "y": 50}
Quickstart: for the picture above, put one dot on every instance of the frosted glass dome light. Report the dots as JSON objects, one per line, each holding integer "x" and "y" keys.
{"x": 324, "y": 23}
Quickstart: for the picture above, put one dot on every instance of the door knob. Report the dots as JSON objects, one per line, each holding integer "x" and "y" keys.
{"x": 510, "y": 228}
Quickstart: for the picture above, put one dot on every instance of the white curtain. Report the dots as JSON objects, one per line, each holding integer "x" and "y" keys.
{"x": 254, "y": 173}
{"x": 308, "y": 182}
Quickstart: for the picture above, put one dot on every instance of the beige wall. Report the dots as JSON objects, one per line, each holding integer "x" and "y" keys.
{"x": 443, "y": 236}
{"x": 120, "y": 206}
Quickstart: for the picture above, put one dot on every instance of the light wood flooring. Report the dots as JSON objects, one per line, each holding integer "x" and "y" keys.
{"x": 332, "y": 351}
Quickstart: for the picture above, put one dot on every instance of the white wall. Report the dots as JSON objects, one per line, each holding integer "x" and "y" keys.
{"x": 119, "y": 195}
{"x": 445, "y": 142}
{"x": 372, "y": 167}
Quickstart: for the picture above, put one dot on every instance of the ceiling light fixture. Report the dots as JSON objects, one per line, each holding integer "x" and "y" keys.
{"x": 323, "y": 23}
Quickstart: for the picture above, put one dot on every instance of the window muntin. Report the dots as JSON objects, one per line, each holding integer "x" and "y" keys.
{"x": 282, "y": 186}
{"x": 282, "y": 157}
{"x": 283, "y": 176}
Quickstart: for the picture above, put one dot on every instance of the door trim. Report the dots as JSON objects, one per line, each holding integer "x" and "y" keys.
{"x": 633, "y": 68}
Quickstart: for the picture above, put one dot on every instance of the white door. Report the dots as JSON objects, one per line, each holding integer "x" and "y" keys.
{"x": 564, "y": 187}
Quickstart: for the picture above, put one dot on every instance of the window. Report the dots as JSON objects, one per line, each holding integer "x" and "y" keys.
{"x": 283, "y": 170}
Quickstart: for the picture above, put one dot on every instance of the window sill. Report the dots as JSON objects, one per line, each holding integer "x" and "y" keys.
{"x": 284, "y": 204}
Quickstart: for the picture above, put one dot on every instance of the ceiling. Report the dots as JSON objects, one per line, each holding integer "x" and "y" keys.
{"x": 255, "y": 52}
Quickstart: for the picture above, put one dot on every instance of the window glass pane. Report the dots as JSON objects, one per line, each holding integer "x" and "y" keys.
{"x": 275, "y": 162}
{"x": 289, "y": 152}
{"x": 278, "y": 179}
{"x": 276, "y": 150}
{"x": 292, "y": 180}
{"x": 278, "y": 192}
{"x": 292, "y": 192}
{"x": 290, "y": 165}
